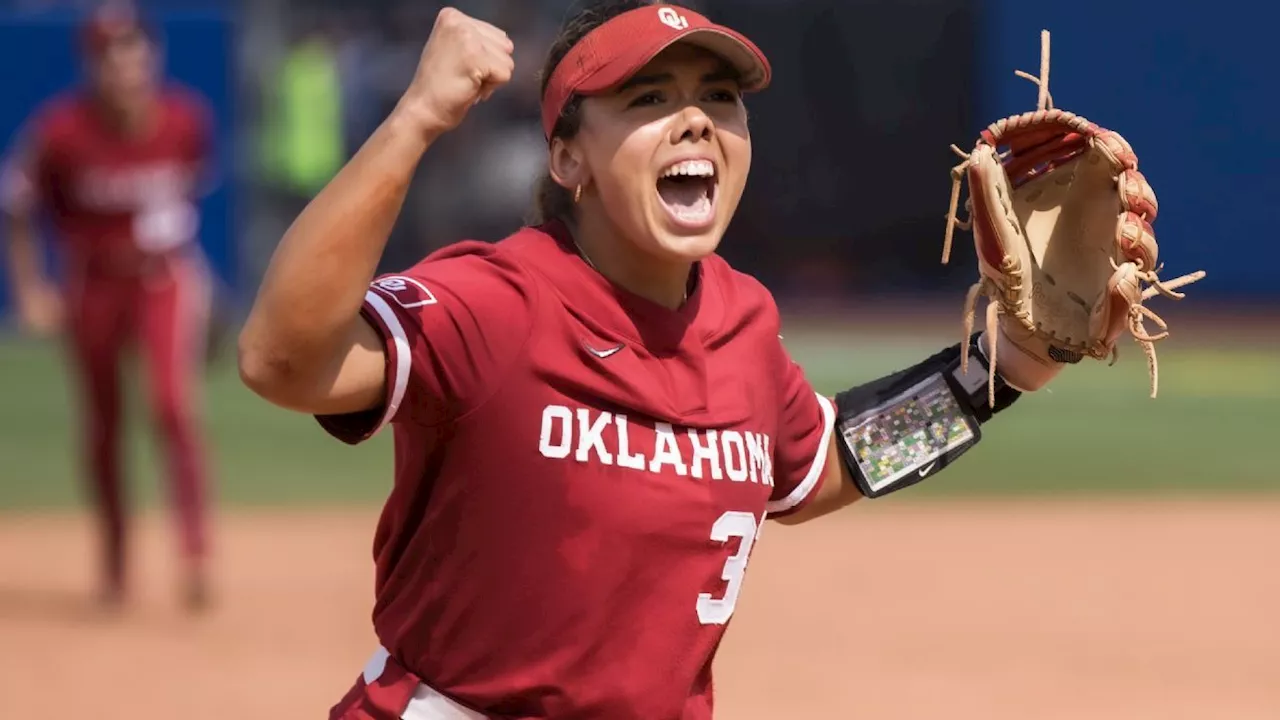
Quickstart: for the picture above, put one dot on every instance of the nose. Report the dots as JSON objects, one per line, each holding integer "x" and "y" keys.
{"x": 692, "y": 125}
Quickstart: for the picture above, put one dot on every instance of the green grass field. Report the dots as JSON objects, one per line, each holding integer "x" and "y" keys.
{"x": 1211, "y": 430}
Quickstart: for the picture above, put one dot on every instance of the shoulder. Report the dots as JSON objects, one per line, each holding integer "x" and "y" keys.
{"x": 480, "y": 274}
{"x": 184, "y": 99}
{"x": 746, "y": 301}
{"x": 62, "y": 117}
{"x": 533, "y": 246}
{"x": 49, "y": 133}
{"x": 511, "y": 259}
{"x": 472, "y": 258}
{"x": 187, "y": 108}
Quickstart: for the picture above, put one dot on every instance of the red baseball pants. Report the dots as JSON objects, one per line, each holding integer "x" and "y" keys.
{"x": 163, "y": 313}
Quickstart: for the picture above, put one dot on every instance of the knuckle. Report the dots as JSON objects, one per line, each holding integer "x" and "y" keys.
{"x": 472, "y": 46}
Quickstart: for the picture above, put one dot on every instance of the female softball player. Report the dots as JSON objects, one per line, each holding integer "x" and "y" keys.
{"x": 119, "y": 167}
{"x": 594, "y": 416}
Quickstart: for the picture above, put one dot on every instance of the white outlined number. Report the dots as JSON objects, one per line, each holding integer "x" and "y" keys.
{"x": 741, "y": 525}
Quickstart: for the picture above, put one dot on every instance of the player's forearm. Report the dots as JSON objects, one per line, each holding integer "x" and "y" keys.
{"x": 316, "y": 281}
{"x": 836, "y": 490}
{"x": 895, "y": 431}
{"x": 25, "y": 271}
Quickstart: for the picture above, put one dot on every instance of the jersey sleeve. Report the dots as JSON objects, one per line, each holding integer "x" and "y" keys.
{"x": 451, "y": 328}
{"x": 804, "y": 433}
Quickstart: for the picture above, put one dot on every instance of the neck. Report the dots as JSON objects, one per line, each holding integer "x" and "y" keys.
{"x": 131, "y": 117}
{"x": 602, "y": 246}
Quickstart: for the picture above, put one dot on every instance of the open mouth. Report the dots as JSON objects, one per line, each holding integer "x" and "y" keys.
{"x": 688, "y": 191}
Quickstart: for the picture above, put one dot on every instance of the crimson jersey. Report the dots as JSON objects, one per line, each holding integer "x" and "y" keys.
{"x": 108, "y": 194}
{"x": 580, "y": 476}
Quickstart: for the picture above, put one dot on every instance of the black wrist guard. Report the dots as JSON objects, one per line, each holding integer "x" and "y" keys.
{"x": 902, "y": 428}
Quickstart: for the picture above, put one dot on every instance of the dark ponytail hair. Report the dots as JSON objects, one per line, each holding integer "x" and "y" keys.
{"x": 551, "y": 200}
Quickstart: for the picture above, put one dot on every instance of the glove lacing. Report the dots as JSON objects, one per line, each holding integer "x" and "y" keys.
{"x": 990, "y": 289}
{"x": 1139, "y": 312}
{"x": 1043, "y": 102}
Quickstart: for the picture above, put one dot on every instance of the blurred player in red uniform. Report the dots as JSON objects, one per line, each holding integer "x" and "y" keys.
{"x": 117, "y": 168}
{"x": 593, "y": 417}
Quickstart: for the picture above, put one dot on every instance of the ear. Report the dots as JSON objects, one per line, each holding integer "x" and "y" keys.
{"x": 567, "y": 166}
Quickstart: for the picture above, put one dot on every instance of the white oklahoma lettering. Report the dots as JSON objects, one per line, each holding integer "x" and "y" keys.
{"x": 756, "y": 452}
{"x": 707, "y": 451}
{"x": 735, "y": 455}
{"x": 585, "y": 435}
{"x": 553, "y": 415}
{"x": 625, "y": 458}
{"x": 665, "y": 450}
{"x": 591, "y": 436}
{"x": 767, "y": 471}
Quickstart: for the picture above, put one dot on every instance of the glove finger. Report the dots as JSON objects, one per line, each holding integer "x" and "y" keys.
{"x": 1137, "y": 240}
{"x": 1137, "y": 196}
{"x": 1119, "y": 149}
{"x": 1110, "y": 317}
{"x": 996, "y": 231}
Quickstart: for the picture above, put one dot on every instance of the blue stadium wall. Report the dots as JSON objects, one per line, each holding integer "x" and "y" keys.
{"x": 1193, "y": 87}
{"x": 38, "y": 57}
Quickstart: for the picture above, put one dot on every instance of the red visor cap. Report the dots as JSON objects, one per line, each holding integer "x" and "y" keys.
{"x": 609, "y": 55}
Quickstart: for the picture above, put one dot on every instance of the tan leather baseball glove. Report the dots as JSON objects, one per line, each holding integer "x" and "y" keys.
{"x": 1061, "y": 220}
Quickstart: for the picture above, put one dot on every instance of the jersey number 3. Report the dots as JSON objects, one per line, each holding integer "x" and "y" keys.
{"x": 741, "y": 525}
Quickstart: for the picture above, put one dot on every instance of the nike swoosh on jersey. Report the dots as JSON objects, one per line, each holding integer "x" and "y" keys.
{"x": 604, "y": 353}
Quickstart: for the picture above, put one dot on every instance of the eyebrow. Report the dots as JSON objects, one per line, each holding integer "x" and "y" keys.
{"x": 719, "y": 75}
{"x": 638, "y": 80}
{"x": 725, "y": 72}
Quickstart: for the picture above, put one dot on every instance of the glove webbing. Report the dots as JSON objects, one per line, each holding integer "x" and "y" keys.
{"x": 1043, "y": 102}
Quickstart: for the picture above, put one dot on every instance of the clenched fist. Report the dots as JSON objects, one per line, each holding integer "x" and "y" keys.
{"x": 465, "y": 61}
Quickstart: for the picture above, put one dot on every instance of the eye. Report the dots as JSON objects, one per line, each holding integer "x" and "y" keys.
{"x": 723, "y": 95}
{"x": 652, "y": 97}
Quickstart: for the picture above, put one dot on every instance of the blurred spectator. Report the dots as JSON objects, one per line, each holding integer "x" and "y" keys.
{"x": 303, "y": 144}
{"x": 358, "y": 42}
{"x": 340, "y": 77}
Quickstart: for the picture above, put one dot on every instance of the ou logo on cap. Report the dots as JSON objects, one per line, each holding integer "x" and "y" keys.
{"x": 673, "y": 19}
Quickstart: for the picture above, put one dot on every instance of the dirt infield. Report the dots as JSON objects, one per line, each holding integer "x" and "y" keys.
{"x": 892, "y": 610}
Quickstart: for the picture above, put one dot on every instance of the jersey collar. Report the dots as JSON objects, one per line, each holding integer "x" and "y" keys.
{"x": 639, "y": 319}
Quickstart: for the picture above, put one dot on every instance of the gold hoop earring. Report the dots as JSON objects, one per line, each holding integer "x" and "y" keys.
{"x": 577, "y": 194}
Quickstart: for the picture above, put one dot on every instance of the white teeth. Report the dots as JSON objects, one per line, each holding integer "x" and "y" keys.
{"x": 691, "y": 168}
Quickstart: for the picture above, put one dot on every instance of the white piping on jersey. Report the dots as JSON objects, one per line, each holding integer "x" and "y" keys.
{"x": 810, "y": 481}
{"x": 403, "y": 357}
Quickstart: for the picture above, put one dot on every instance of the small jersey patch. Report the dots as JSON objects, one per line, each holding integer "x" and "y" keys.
{"x": 407, "y": 292}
